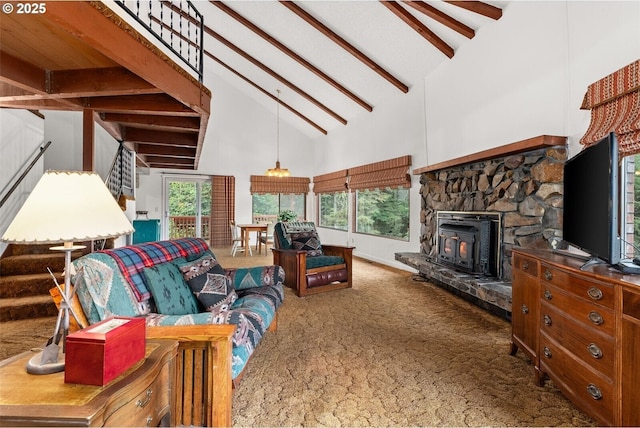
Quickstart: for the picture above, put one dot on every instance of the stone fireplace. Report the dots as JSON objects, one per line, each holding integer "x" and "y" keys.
{"x": 521, "y": 184}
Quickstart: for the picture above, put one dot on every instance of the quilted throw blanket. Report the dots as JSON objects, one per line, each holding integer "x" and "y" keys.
{"x": 134, "y": 258}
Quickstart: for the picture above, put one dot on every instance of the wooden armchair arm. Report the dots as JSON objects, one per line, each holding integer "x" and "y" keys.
{"x": 202, "y": 387}
{"x": 294, "y": 263}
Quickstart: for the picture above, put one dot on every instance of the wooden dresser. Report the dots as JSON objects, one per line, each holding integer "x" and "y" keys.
{"x": 138, "y": 397}
{"x": 581, "y": 329}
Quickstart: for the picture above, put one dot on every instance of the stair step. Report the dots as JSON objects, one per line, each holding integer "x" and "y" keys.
{"x": 34, "y": 263}
{"x": 27, "y": 307}
{"x": 27, "y": 285}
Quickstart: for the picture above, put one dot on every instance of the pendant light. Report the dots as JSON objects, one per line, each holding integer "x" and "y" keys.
{"x": 277, "y": 171}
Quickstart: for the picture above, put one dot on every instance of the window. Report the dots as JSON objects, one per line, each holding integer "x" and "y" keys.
{"x": 383, "y": 212}
{"x": 189, "y": 207}
{"x": 630, "y": 230}
{"x": 267, "y": 206}
{"x": 333, "y": 209}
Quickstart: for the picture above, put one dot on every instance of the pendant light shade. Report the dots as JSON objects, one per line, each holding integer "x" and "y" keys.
{"x": 277, "y": 171}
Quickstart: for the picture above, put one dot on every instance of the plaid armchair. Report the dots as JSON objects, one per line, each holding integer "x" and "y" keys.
{"x": 310, "y": 267}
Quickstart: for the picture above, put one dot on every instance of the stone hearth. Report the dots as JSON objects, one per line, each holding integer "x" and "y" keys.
{"x": 523, "y": 181}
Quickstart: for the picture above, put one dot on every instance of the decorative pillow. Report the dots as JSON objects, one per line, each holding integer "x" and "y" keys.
{"x": 307, "y": 241}
{"x": 171, "y": 294}
{"x": 208, "y": 282}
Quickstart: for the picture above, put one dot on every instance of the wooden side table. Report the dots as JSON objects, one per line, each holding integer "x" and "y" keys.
{"x": 138, "y": 397}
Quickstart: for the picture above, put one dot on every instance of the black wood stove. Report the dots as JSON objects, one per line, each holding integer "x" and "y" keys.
{"x": 470, "y": 242}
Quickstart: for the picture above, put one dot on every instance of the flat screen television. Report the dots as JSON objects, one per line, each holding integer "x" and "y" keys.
{"x": 591, "y": 201}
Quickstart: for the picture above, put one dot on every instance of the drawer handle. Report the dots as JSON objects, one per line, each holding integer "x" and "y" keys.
{"x": 547, "y": 320}
{"x": 149, "y": 419}
{"x": 143, "y": 403}
{"x": 595, "y": 351}
{"x": 595, "y": 293}
{"x": 525, "y": 265}
{"x": 548, "y": 295}
{"x": 525, "y": 309}
{"x": 547, "y": 352}
{"x": 595, "y": 318}
{"x": 594, "y": 391}
{"x": 548, "y": 275}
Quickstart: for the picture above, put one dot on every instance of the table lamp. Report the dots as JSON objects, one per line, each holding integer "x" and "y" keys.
{"x": 65, "y": 206}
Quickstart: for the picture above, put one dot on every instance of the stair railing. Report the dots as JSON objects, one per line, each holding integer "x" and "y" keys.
{"x": 149, "y": 13}
{"x": 25, "y": 168}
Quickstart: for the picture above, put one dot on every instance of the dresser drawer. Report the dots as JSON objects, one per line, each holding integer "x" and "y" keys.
{"x": 594, "y": 349}
{"x": 585, "y": 288}
{"x": 590, "y": 391}
{"x": 525, "y": 264}
{"x": 593, "y": 317}
{"x": 149, "y": 405}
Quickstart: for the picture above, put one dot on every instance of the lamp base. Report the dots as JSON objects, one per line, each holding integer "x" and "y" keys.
{"x": 46, "y": 362}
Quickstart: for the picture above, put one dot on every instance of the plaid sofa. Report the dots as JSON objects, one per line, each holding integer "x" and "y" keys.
{"x": 112, "y": 282}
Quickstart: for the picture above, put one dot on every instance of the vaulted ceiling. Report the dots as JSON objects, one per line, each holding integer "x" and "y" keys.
{"x": 331, "y": 60}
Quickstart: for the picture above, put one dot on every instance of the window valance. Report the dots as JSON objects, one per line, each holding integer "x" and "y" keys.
{"x": 614, "y": 102}
{"x": 331, "y": 182}
{"x": 378, "y": 175}
{"x": 274, "y": 185}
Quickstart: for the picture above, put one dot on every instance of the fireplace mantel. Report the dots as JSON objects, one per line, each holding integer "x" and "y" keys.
{"x": 506, "y": 150}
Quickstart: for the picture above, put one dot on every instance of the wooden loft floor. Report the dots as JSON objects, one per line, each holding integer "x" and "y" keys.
{"x": 82, "y": 56}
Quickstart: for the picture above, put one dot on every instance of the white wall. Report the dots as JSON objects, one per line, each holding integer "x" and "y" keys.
{"x": 21, "y": 133}
{"x": 391, "y": 130}
{"x": 522, "y": 76}
{"x": 240, "y": 141}
{"x": 527, "y": 75}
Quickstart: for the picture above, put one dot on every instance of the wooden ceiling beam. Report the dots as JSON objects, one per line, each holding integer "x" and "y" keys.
{"x": 21, "y": 74}
{"x": 103, "y": 81}
{"x": 147, "y": 120}
{"x": 264, "y": 91}
{"x": 327, "y": 32}
{"x": 168, "y": 160}
{"x": 85, "y": 83}
{"x": 478, "y": 7}
{"x": 159, "y": 150}
{"x": 181, "y": 139}
{"x": 418, "y": 26}
{"x": 442, "y": 18}
{"x": 44, "y": 104}
{"x": 114, "y": 129}
{"x": 158, "y": 104}
{"x": 286, "y": 50}
{"x": 265, "y": 68}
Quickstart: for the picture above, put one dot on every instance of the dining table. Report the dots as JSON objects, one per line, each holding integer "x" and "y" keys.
{"x": 246, "y": 229}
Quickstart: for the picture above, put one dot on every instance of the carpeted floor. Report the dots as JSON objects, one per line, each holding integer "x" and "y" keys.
{"x": 392, "y": 351}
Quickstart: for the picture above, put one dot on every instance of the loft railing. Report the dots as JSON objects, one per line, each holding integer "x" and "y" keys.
{"x": 25, "y": 168}
{"x": 121, "y": 177}
{"x": 162, "y": 20}
{"x": 185, "y": 227}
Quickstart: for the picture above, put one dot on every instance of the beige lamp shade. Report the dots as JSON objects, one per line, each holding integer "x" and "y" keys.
{"x": 67, "y": 206}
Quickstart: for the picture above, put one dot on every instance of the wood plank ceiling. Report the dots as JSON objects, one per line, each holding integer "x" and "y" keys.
{"x": 62, "y": 60}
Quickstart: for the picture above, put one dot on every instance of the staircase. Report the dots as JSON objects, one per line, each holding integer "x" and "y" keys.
{"x": 25, "y": 281}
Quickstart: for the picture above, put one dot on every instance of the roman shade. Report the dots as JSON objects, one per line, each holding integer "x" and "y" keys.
{"x": 274, "y": 185}
{"x": 380, "y": 175}
{"x": 331, "y": 182}
{"x": 614, "y": 102}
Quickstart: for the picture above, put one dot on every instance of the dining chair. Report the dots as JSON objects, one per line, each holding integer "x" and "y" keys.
{"x": 238, "y": 245}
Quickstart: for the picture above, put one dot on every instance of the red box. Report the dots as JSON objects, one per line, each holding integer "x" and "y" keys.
{"x": 99, "y": 353}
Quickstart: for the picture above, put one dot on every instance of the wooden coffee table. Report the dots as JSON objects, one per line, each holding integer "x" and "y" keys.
{"x": 138, "y": 397}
